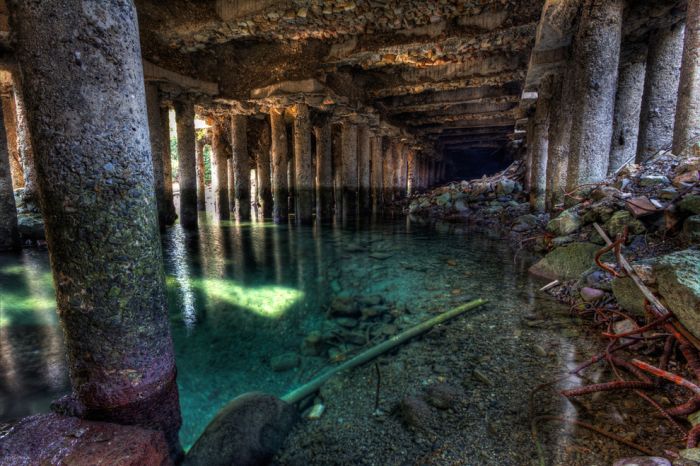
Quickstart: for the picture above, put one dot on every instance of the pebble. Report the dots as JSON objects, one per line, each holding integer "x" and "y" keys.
{"x": 591, "y": 294}
{"x": 481, "y": 377}
{"x": 540, "y": 351}
{"x": 443, "y": 395}
{"x": 414, "y": 411}
{"x": 643, "y": 461}
{"x": 284, "y": 362}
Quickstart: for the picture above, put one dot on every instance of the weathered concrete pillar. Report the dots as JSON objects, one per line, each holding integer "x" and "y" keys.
{"x": 303, "y": 169}
{"x": 167, "y": 165}
{"x": 527, "y": 180}
{"x": 219, "y": 169}
{"x": 263, "y": 172}
{"x": 199, "y": 157}
{"x": 402, "y": 170}
{"x": 596, "y": 59}
{"x": 9, "y": 236}
{"x": 559, "y": 138}
{"x": 241, "y": 165}
{"x": 686, "y": 128}
{"x": 628, "y": 103}
{"x": 97, "y": 197}
{"x": 26, "y": 151}
{"x": 184, "y": 119}
{"x": 387, "y": 171}
{"x": 10, "y": 121}
{"x": 279, "y": 165}
{"x": 412, "y": 177}
{"x": 324, "y": 172}
{"x": 660, "y": 92}
{"x": 349, "y": 155}
{"x": 363, "y": 166}
{"x": 377, "y": 169}
{"x": 540, "y": 143}
{"x": 155, "y": 132}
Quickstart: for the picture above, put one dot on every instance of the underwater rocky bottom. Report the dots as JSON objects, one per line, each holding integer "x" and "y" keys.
{"x": 261, "y": 307}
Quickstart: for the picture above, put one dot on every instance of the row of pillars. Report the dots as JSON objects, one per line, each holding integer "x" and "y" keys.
{"x": 325, "y": 170}
{"x": 616, "y": 103}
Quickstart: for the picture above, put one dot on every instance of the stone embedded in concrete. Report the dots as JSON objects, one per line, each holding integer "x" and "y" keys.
{"x": 660, "y": 92}
{"x": 97, "y": 197}
{"x": 628, "y": 104}
{"x": 303, "y": 169}
{"x": 241, "y": 166}
{"x": 187, "y": 164}
{"x": 9, "y": 235}
{"x": 219, "y": 169}
{"x": 55, "y": 439}
{"x": 278, "y": 152}
{"x": 596, "y": 53}
{"x": 686, "y": 129}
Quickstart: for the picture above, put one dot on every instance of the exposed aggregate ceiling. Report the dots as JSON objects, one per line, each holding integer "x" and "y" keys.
{"x": 449, "y": 73}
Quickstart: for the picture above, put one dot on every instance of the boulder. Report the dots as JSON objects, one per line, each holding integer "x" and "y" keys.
{"x": 691, "y": 228}
{"x": 505, "y": 186}
{"x": 443, "y": 199}
{"x": 678, "y": 278}
{"x": 690, "y": 204}
{"x": 565, "y": 223}
{"x": 56, "y": 439}
{"x": 566, "y": 262}
{"x": 653, "y": 180}
{"x": 31, "y": 226}
{"x": 284, "y": 362}
{"x": 628, "y": 295}
{"x": 248, "y": 431}
{"x": 621, "y": 219}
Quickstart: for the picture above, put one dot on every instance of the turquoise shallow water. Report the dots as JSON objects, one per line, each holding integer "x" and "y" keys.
{"x": 242, "y": 295}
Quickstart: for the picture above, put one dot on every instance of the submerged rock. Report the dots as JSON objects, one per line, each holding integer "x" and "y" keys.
{"x": 565, "y": 223}
{"x": 284, "y": 362}
{"x": 247, "y": 431}
{"x": 678, "y": 278}
{"x": 56, "y": 439}
{"x": 443, "y": 395}
{"x": 414, "y": 411}
{"x": 566, "y": 262}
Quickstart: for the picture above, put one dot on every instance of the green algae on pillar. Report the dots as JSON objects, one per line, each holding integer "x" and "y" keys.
{"x": 241, "y": 165}
{"x": 9, "y": 236}
{"x": 156, "y": 137}
{"x": 95, "y": 178}
{"x": 303, "y": 166}
{"x": 219, "y": 170}
{"x": 324, "y": 172}
{"x": 660, "y": 92}
{"x": 596, "y": 56}
{"x": 686, "y": 129}
{"x": 184, "y": 119}
{"x": 278, "y": 151}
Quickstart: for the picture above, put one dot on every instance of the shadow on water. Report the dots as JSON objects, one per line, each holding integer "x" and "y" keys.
{"x": 241, "y": 295}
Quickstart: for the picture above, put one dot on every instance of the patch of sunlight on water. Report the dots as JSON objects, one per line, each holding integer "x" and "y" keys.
{"x": 268, "y": 301}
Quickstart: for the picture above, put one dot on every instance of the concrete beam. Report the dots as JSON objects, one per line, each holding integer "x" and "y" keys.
{"x": 153, "y": 72}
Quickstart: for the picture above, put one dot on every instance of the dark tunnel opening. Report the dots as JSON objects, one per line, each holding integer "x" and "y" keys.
{"x": 471, "y": 163}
